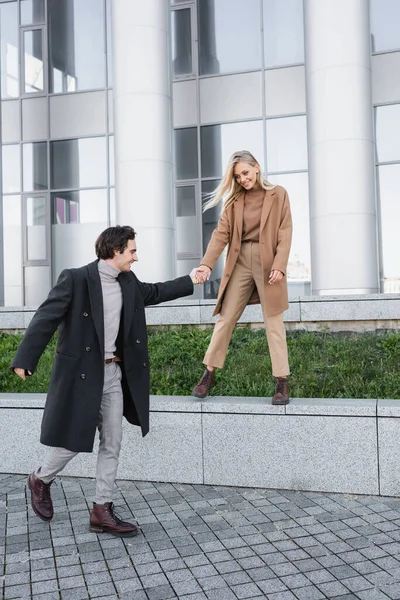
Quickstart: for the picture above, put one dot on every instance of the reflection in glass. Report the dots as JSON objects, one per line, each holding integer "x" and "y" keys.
{"x": 210, "y": 221}
{"x": 385, "y": 28}
{"x": 387, "y": 124}
{"x": 33, "y": 61}
{"x": 11, "y": 172}
{"x": 78, "y": 163}
{"x": 296, "y": 185}
{"x": 181, "y": 35}
{"x": 86, "y": 206}
{"x": 12, "y": 250}
{"x": 35, "y": 228}
{"x": 286, "y": 144}
{"x": 186, "y": 222}
{"x": 109, "y": 44}
{"x": 283, "y": 32}
{"x": 76, "y": 45}
{"x": 34, "y": 166}
{"x": 186, "y": 155}
{"x": 388, "y": 187}
{"x": 9, "y": 33}
{"x": 32, "y": 12}
{"x": 229, "y": 36}
{"x": 219, "y": 142}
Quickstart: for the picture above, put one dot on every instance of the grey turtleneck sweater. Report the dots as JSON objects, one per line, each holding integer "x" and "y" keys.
{"x": 112, "y": 305}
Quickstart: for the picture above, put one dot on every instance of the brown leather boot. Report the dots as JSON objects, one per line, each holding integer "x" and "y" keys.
{"x": 203, "y": 387}
{"x": 104, "y": 520}
{"x": 40, "y": 497}
{"x": 281, "y": 395}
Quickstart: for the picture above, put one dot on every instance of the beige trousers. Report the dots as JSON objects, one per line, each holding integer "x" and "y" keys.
{"x": 247, "y": 274}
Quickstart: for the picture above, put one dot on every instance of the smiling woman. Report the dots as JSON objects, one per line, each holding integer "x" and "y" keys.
{"x": 256, "y": 226}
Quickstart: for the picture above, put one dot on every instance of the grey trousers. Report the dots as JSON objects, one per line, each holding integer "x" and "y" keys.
{"x": 110, "y": 431}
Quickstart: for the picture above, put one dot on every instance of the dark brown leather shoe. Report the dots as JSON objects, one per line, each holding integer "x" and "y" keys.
{"x": 281, "y": 395}
{"x": 203, "y": 387}
{"x": 40, "y": 497}
{"x": 104, "y": 520}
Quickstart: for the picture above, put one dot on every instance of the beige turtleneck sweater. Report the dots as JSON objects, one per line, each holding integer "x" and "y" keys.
{"x": 253, "y": 204}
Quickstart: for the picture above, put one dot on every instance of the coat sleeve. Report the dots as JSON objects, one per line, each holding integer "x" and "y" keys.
{"x": 219, "y": 239}
{"x": 44, "y": 324}
{"x": 154, "y": 293}
{"x": 284, "y": 238}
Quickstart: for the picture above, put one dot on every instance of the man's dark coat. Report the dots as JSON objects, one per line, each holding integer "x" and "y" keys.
{"x": 75, "y": 306}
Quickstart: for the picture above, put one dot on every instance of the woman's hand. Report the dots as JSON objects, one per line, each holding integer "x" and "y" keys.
{"x": 275, "y": 276}
{"x": 202, "y": 274}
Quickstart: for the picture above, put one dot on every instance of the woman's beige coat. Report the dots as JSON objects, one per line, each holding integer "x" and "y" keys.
{"x": 275, "y": 240}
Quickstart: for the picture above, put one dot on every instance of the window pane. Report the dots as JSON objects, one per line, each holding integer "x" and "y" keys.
{"x": 283, "y": 32}
{"x": 186, "y": 222}
{"x": 87, "y": 206}
{"x": 186, "y": 155}
{"x": 229, "y": 36}
{"x": 12, "y": 250}
{"x": 286, "y": 144}
{"x": 385, "y": 25}
{"x": 11, "y": 169}
{"x": 387, "y": 123}
{"x": 181, "y": 35}
{"x": 78, "y": 163}
{"x": 111, "y": 158}
{"x": 36, "y": 228}
{"x": 33, "y": 61}
{"x": 296, "y": 184}
{"x": 76, "y": 45}
{"x": 9, "y": 33}
{"x": 109, "y": 45}
{"x": 389, "y": 185}
{"x": 210, "y": 220}
{"x": 34, "y": 169}
{"x": 219, "y": 142}
{"x": 32, "y": 12}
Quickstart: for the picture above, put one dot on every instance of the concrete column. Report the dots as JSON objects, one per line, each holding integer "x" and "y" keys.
{"x": 341, "y": 147}
{"x": 143, "y": 131}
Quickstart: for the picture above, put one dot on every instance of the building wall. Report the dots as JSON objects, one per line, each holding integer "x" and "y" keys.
{"x": 238, "y": 83}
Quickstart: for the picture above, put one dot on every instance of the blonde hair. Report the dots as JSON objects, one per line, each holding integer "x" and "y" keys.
{"x": 229, "y": 190}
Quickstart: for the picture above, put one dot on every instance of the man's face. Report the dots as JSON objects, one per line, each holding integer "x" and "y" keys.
{"x": 124, "y": 260}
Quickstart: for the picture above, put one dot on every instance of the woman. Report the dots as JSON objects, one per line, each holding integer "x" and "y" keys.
{"x": 256, "y": 225}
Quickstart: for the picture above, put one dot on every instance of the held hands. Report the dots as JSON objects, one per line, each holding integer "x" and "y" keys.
{"x": 200, "y": 274}
{"x": 275, "y": 276}
{"x": 21, "y": 373}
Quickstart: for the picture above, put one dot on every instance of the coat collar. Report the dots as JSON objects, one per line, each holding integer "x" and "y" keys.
{"x": 239, "y": 208}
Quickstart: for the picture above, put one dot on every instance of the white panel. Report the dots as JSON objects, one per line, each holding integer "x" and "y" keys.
{"x": 12, "y": 242}
{"x": 34, "y": 119}
{"x": 10, "y": 129}
{"x": 184, "y": 267}
{"x": 184, "y": 103}
{"x": 285, "y": 91}
{"x": 230, "y": 98}
{"x": 37, "y": 285}
{"x": 110, "y": 112}
{"x": 73, "y": 245}
{"x": 77, "y": 115}
{"x": 385, "y": 78}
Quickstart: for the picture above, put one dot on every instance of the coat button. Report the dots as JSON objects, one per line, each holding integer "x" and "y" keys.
{"x": 83, "y": 376}
{"x": 145, "y": 364}
{"x": 85, "y": 314}
{"x": 138, "y": 341}
{"x": 88, "y": 348}
{"x": 135, "y": 310}
{"x": 227, "y": 275}
{"x": 236, "y": 249}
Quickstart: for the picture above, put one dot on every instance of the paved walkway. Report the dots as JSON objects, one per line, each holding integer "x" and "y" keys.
{"x": 201, "y": 542}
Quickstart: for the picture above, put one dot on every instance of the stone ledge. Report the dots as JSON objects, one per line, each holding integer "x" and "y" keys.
{"x": 332, "y": 445}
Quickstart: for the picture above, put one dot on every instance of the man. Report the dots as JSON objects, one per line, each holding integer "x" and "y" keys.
{"x": 100, "y": 372}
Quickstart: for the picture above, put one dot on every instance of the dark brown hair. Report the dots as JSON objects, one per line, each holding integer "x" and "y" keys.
{"x": 112, "y": 240}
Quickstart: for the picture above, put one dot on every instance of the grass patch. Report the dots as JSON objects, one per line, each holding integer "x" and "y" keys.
{"x": 323, "y": 365}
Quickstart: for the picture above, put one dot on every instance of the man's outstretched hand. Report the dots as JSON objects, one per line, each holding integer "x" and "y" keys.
{"x": 21, "y": 372}
{"x": 200, "y": 274}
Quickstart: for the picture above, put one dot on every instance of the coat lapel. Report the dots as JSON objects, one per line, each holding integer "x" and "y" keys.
{"x": 126, "y": 281}
{"x": 268, "y": 199}
{"x": 96, "y": 301}
{"x": 239, "y": 207}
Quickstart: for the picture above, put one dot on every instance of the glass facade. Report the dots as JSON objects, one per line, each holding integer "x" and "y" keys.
{"x": 238, "y": 78}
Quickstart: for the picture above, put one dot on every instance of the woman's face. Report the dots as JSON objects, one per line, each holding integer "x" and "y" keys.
{"x": 246, "y": 174}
